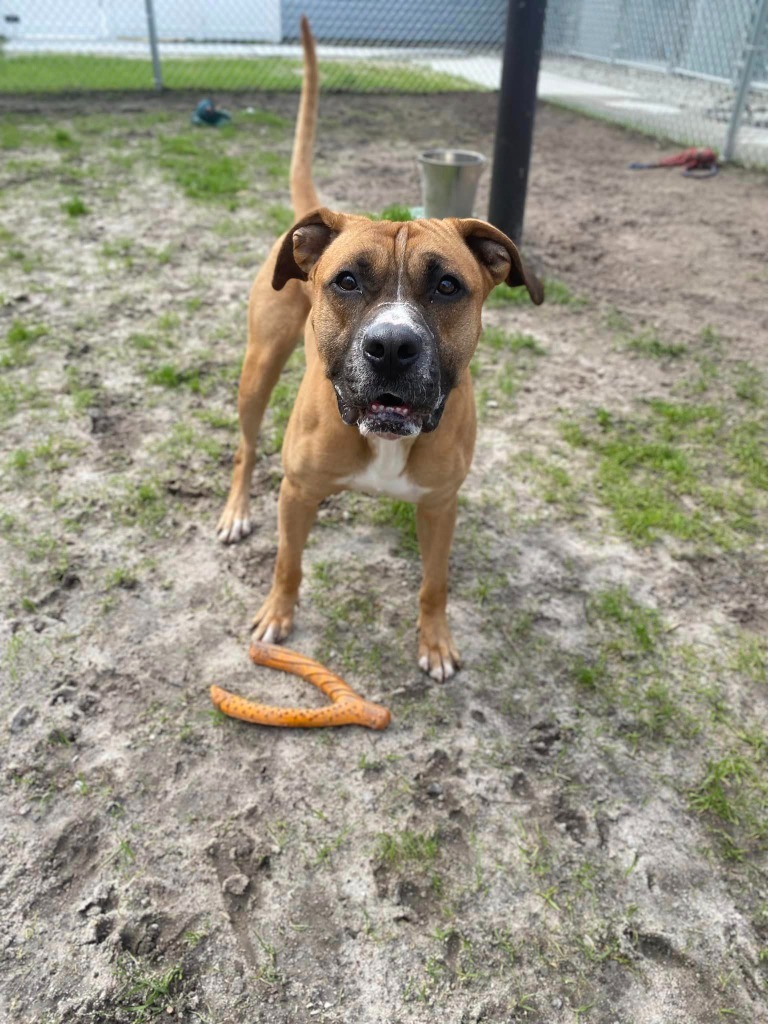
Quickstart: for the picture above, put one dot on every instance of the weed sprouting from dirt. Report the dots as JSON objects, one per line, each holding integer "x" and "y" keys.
{"x": 407, "y": 847}
{"x": 146, "y": 995}
{"x": 75, "y": 208}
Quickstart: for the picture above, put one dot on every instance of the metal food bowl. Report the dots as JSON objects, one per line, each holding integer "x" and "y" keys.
{"x": 449, "y": 180}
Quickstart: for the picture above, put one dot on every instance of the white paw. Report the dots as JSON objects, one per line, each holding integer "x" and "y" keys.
{"x": 239, "y": 528}
{"x": 438, "y": 667}
{"x": 271, "y": 634}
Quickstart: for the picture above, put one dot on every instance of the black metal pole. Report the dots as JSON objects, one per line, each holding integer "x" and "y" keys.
{"x": 514, "y": 122}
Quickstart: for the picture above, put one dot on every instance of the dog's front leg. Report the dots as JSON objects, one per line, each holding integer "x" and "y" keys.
{"x": 437, "y": 652}
{"x": 296, "y": 513}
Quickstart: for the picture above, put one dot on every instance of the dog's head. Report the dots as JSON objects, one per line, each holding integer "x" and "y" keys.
{"x": 396, "y": 308}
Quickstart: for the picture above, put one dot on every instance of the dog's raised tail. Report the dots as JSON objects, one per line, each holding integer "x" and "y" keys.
{"x": 303, "y": 192}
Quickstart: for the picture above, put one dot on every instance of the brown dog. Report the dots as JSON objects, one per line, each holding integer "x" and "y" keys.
{"x": 391, "y": 318}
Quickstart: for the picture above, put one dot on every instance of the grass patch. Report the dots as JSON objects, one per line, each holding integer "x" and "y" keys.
{"x": 11, "y": 136}
{"x": 75, "y": 207}
{"x": 634, "y": 628}
{"x": 651, "y": 346}
{"x": 83, "y": 396}
{"x": 142, "y": 504}
{"x": 81, "y": 73}
{"x": 555, "y": 292}
{"x": 732, "y": 797}
{"x": 19, "y": 339}
{"x": 750, "y": 384}
{"x": 505, "y": 341}
{"x": 202, "y": 172}
{"x": 396, "y": 212}
{"x": 148, "y": 995}
{"x": 169, "y": 376}
{"x": 121, "y": 578}
{"x": 631, "y": 670}
{"x": 278, "y": 218}
{"x": 401, "y": 515}
{"x": 52, "y": 453}
{"x": 553, "y": 483}
{"x": 517, "y": 350}
{"x": 684, "y": 470}
{"x": 400, "y": 848}
{"x": 647, "y": 343}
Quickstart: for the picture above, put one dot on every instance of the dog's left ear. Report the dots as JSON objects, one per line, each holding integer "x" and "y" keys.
{"x": 304, "y": 244}
{"x": 499, "y": 256}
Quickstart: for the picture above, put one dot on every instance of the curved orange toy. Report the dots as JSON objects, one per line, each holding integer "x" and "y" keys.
{"x": 346, "y": 707}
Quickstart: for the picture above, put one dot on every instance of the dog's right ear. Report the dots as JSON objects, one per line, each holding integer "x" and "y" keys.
{"x": 304, "y": 244}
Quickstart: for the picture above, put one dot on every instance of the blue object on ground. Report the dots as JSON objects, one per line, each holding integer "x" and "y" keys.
{"x": 206, "y": 113}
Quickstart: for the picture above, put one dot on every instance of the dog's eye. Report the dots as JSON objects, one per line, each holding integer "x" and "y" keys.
{"x": 346, "y": 281}
{"x": 448, "y": 286}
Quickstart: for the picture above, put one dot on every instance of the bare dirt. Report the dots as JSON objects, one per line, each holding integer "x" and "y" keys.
{"x": 573, "y": 828}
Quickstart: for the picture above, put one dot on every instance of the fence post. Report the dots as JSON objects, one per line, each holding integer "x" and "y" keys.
{"x": 154, "y": 49}
{"x": 751, "y": 51}
{"x": 514, "y": 122}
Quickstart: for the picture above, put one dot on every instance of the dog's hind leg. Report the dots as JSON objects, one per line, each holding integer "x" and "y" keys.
{"x": 275, "y": 322}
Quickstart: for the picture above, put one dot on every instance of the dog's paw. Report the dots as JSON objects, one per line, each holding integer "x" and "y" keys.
{"x": 273, "y": 621}
{"x": 234, "y": 524}
{"x": 438, "y": 656}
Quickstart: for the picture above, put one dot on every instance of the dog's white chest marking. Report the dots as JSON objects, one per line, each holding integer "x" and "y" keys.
{"x": 385, "y": 473}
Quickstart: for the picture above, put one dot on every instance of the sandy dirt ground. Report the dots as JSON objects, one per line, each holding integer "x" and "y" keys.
{"x": 574, "y": 827}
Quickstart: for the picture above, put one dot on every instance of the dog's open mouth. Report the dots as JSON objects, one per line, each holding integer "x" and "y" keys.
{"x": 390, "y": 417}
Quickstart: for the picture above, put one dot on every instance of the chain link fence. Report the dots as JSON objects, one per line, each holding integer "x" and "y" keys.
{"x": 695, "y": 71}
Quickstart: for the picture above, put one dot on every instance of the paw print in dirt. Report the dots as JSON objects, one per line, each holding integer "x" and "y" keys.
{"x": 543, "y": 736}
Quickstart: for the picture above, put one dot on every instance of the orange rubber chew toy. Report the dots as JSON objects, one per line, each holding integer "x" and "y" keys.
{"x": 346, "y": 707}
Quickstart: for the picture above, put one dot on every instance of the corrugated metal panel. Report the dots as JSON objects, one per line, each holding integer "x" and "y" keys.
{"x": 448, "y": 22}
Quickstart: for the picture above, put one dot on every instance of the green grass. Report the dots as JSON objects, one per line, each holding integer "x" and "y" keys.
{"x": 142, "y": 504}
{"x": 11, "y": 136}
{"x": 638, "y": 627}
{"x": 202, "y": 172}
{"x": 685, "y": 470}
{"x": 52, "y": 453}
{"x": 75, "y": 207}
{"x": 396, "y": 212}
{"x": 499, "y": 340}
{"x": 122, "y": 578}
{"x": 556, "y": 293}
{"x": 81, "y": 394}
{"x": 19, "y": 339}
{"x": 63, "y": 73}
{"x": 401, "y": 515}
{"x": 400, "y": 848}
{"x": 632, "y": 671}
{"x": 169, "y": 376}
{"x": 277, "y": 219}
{"x": 148, "y": 995}
{"x": 732, "y": 797}
{"x": 751, "y": 659}
{"x": 651, "y": 346}
{"x": 553, "y": 483}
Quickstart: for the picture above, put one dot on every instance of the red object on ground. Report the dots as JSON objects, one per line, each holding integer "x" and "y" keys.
{"x": 696, "y": 163}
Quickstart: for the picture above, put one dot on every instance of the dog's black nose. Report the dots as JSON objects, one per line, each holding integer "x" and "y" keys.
{"x": 391, "y": 348}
